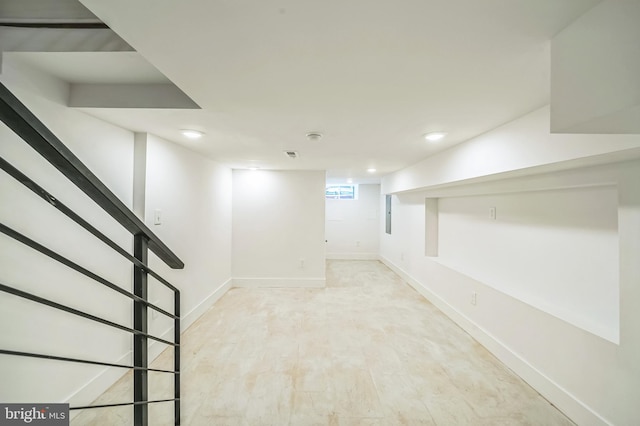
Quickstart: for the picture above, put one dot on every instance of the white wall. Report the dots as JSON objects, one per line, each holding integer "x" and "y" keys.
{"x": 522, "y": 146}
{"x": 278, "y": 228}
{"x": 353, "y": 226}
{"x": 108, "y": 151}
{"x": 592, "y": 379}
{"x": 556, "y": 250}
{"x": 193, "y": 195}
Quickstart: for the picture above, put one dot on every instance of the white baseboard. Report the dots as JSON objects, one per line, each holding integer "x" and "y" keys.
{"x": 352, "y": 256}
{"x": 107, "y": 377}
{"x": 196, "y": 312}
{"x": 279, "y": 282}
{"x": 566, "y": 402}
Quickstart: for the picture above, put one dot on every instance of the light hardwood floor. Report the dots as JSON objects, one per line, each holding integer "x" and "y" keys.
{"x": 365, "y": 350}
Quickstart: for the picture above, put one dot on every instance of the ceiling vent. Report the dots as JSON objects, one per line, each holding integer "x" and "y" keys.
{"x": 291, "y": 154}
{"x": 314, "y": 136}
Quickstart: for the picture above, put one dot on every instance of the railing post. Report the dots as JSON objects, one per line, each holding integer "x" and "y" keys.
{"x": 176, "y": 358}
{"x": 140, "y": 358}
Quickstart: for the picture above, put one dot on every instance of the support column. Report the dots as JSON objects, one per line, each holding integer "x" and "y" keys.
{"x": 176, "y": 358}
{"x": 140, "y": 348}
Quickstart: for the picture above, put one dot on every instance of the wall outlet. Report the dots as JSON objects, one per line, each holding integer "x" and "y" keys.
{"x": 357, "y": 243}
{"x": 301, "y": 263}
{"x": 492, "y": 213}
{"x": 474, "y": 297}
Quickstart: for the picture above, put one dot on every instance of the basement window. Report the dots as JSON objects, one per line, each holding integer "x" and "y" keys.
{"x": 341, "y": 192}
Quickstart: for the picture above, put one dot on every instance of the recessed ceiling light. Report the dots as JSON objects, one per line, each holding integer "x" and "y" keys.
{"x": 314, "y": 136}
{"x": 371, "y": 170}
{"x": 349, "y": 180}
{"x": 434, "y": 136}
{"x": 254, "y": 168}
{"x": 192, "y": 134}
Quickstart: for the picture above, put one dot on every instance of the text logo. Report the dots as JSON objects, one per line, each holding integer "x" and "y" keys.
{"x": 34, "y": 414}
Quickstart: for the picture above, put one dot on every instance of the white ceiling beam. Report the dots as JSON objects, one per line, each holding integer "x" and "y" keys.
{"x": 44, "y": 9}
{"x": 595, "y": 69}
{"x": 14, "y": 39}
{"x": 129, "y": 96}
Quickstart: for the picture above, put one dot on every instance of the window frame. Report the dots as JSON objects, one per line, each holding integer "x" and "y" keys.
{"x": 350, "y": 194}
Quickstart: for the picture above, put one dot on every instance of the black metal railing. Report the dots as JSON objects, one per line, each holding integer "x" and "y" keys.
{"x": 23, "y": 122}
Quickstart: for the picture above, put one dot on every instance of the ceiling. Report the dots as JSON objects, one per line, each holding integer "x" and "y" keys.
{"x": 372, "y": 77}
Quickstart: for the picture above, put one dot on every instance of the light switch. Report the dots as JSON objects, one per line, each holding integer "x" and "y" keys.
{"x": 157, "y": 219}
